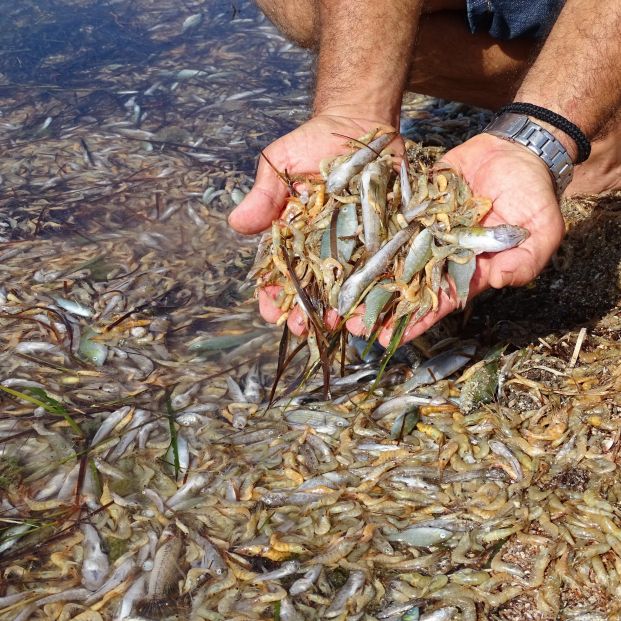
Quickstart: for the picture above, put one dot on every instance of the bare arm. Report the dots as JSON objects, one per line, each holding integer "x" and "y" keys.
{"x": 578, "y": 71}
{"x": 365, "y": 49}
{"x": 577, "y": 74}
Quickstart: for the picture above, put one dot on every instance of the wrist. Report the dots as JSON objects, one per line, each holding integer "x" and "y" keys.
{"x": 561, "y": 136}
{"x": 376, "y": 112}
{"x": 561, "y": 127}
{"x": 531, "y": 135}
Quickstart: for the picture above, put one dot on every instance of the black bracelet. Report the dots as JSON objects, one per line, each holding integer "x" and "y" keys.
{"x": 560, "y": 122}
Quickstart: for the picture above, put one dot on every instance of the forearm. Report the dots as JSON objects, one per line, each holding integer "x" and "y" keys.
{"x": 578, "y": 71}
{"x": 364, "y": 54}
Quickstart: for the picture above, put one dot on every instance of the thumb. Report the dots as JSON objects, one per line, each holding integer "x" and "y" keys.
{"x": 262, "y": 205}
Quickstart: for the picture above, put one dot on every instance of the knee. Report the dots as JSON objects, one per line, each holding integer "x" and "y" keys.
{"x": 298, "y": 20}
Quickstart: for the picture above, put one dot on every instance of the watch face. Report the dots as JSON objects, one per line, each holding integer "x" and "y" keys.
{"x": 509, "y": 124}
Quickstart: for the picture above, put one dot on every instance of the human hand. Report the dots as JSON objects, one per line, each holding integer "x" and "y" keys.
{"x": 298, "y": 153}
{"x": 521, "y": 189}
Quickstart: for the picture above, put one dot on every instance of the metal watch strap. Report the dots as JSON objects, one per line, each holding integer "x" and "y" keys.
{"x": 519, "y": 128}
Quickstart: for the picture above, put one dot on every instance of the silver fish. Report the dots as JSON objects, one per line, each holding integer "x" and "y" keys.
{"x": 406, "y": 186}
{"x": 354, "y": 583}
{"x": 418, "y": 255}
{"x": 500, "y": 449}
{"x": 95, "y": 565}
{"x": 286, "y": 569}
{"x": 316, "y": 419}
{"x": 304, "y": 583}
{"x": 421, "y": 536}
{"x": 415, "y": 209}
{"x": 461, "y": 273}
{"x": 346, "y": 227}
{"x": 339, "y": 177}
{"x": 403, "y": 403}
{"x": 354, "y": 286}
{"x": 253, "y": 387}
{"x": 373, "y": 183}
{"x": 439, "y": 367}
{"x": 374, "y": 303}
{"x": 485, "y": 239}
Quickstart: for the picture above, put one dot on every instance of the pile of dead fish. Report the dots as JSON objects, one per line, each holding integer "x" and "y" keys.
{"x": 432, "y": 495}
{"x": 142, "y": 473}
{"x": 365, "y": 235}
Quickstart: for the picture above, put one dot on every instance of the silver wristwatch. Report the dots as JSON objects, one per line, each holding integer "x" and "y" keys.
{"x": 519, "y": 128}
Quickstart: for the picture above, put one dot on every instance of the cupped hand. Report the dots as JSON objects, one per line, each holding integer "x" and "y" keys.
{"x": 522, "y": 191}
{"x": 298, "y": 153}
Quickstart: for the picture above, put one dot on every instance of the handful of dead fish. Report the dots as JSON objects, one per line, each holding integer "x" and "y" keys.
{"x": 367, "y": 235}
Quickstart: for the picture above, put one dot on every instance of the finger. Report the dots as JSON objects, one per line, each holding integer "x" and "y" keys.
{"x": 297, "y": 321}
{"x": 517, "y": 269}
{"x": 446, "y": 305}
{"x": 331, "y": 319}
{"x": 355, "y": 324}
{"x": 267, "y": 303}
{"x": 262, "y": 205}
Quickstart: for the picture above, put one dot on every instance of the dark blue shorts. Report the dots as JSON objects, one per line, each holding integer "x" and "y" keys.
{"x": 510, "y": 19}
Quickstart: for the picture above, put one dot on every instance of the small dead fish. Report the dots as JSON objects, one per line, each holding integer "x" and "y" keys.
{"x": 191, "y": 22}
{"x": 374, "y": 304}
{"x": 75, "y": 308}
{"x": 439, "y": 367}
{"x": 191, "y": 487}
{"x": 421, "y": 536}
{"x": 134, "y": 593}
{"x": 461, "y": 273}
{"x": 500, "y": 449}
{"x": 418, "y": 255}
{"x": 11, "y": 535}
{"x": 373, "y": 183}
{"x": 95, "y": 565}
{"x": 288, "y": 611}
{"x": 280, "y": 499}
{"x": 354, "y": 286}
{"x": 286, "y": 569}
{"x": 316, "y": 419}
{"x": 415, "y": 209}
{"x": 354, "y": 583}
{"x": 235, "y": 391}
{"x": 120, "y": 574}
{"x": 406, "y": 186}
{"x": 346, "y": 227}
{"x": 165, "y": 567}
{"x": 253, "y": 386}
{"x": 404, "y": 403}
{"x": 221, "y": 343}
{"x": 304, "y": 583}
{"x": 339, "y": 177}
{"x": 485, "y": 239}
{"x": 358, "y": 377}
{"x": 212, "y": 558}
